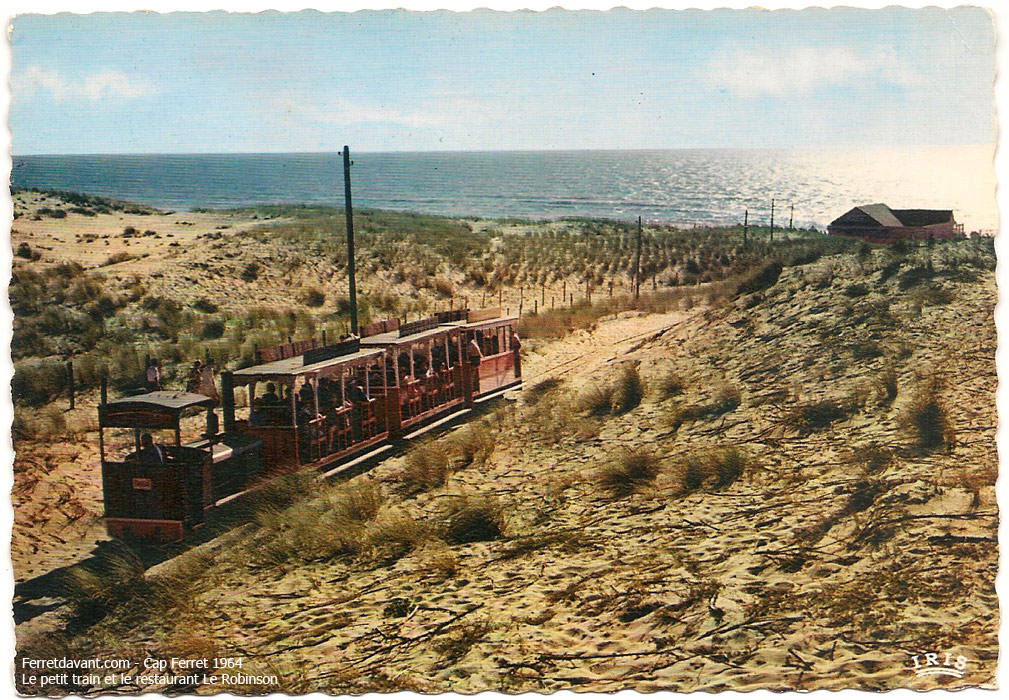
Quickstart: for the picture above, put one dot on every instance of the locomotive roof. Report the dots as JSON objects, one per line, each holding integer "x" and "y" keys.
{"x": 174, "y": 401}
{"x": 294, "y": 366}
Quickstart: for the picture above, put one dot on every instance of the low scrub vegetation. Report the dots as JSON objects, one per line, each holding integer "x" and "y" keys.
{"x": 763, "y": 278}
{"x": 313, "y": 297}
{"x": 332, "y": 523}
{"x": 394, "y": 533}
{"x": 473, "y": 444}
{"x": 540, "y": 389}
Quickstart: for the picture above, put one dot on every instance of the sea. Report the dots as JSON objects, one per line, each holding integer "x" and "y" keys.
{"x": 684, "y": 187}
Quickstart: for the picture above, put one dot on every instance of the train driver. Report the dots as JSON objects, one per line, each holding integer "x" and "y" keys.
{"x": 149, "y": 453}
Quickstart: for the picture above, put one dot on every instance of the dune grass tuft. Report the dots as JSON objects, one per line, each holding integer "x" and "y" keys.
{"x": 628, "y": 473}
{"x": 710, "y": 470}
{"x": 927, "y": 417}
{"x": 427, "y": 467}
{"x": 726, "y": 399}
{"x": 474, "y": 519}
{"x": 394, "y": 533}
{"x": 474, "y": 444}
{"x": 617, "y": 396}
{"x": 820, "y": 415}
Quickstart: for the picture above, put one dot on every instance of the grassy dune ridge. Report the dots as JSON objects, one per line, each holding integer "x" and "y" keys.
{"x": 781, "y": 477}
{"x": 109, "y": 283}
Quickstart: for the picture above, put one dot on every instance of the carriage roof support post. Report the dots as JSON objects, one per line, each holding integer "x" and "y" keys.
{"x": 228, "y": 400}
{"x": 315, "y": 394}
{"x": 350, "y": 240}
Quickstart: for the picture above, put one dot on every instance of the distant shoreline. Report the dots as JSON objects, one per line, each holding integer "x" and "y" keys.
{"x": 685, "y": 188}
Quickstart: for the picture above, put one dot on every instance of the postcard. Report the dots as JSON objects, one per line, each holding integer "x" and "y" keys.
{"x": 511, "y": 351}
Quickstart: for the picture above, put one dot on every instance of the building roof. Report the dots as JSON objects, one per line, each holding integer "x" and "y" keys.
{"x": 923, "y": 217}
{"x": 881, "y": 215}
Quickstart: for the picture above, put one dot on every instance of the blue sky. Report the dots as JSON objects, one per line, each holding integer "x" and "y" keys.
{"x": 407, "y": 81}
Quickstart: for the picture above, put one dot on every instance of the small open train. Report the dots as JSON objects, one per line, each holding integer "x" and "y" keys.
{"x": 308, "y": 405}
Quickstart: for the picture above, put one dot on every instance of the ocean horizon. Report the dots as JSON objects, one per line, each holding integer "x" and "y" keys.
{"x": 696, "y": 186}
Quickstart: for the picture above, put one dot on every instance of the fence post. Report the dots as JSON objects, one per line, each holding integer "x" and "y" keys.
{"x": 70, "y": 382}
{"x": 536, "y": 306}
{"x": 323, "y": 337}
{"x": 551, "y": 303}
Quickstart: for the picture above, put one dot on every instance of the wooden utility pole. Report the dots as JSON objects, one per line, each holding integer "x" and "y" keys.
{"x": 350, "y": 240}
{"x": 637, "y": 263}
{"x": 70, "y": 383}
{"x": 772, "y": 221}
{"x": 746, "y": 224}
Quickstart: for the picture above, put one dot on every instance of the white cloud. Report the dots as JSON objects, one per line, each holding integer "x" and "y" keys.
{"x": 113, "y": 83}
{"x": 302, "y": 107}
{"x": 805, "y": 69}
{"x": 92, "y": 87}
{"x": 35, "y": 78}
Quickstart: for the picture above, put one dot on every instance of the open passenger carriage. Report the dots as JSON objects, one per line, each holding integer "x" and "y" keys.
{"x": 497, "y": 338}
{"x": 426, "y": 373}
{"x": 314, "y": 408}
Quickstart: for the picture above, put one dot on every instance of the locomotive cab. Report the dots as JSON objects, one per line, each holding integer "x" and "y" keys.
{"x": 155, "y": 487}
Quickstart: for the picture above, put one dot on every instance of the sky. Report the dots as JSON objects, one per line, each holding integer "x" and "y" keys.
{"x": 409, "y": 81}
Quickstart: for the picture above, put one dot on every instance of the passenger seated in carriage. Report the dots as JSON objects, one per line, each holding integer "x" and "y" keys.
{"x": 325, "y": 392}
{"x": 256, "y": 412}
{"x": 358, "y": 399}
{"x": 438, "y": 358}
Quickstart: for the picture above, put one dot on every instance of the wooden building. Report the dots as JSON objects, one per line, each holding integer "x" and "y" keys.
{"x": 878, "y": 223}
